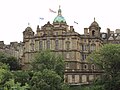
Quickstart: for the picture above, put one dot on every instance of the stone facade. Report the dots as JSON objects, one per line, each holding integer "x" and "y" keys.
{"x": 14, "y": 49}
{"x": 62, "y": 39}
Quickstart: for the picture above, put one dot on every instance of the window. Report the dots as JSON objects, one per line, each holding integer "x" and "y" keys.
{"x": 84, "y": 47}
{"x": 56, "y": 33}
{"x": 84, "y": 56}
{"x": 67, "y": 55}
{"x": 85, "y": 66}
{"x": 56, "y": 44}
{"x": 41, "y": 45}
{"x": 93, "y": 33}
{"x": 92, "y": 66}
{"x": 73, "y": 78}
{"x": 32, "y": 46}
{"x": 67, "y": 45}
{"x": 48, "y": 44}
{"x": 67, "y": 65}
{"x": 93, "y": 47}
{"x": 84, "y": 78}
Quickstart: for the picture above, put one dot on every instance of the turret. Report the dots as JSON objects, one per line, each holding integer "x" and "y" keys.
{"x": 28, "y": 33}
{"x": 94, "y": 29}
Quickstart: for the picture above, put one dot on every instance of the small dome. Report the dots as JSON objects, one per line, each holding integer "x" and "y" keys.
{"x": 28, "y": 29}
{"x": 59, "y": 17}
{"x": 94, "y": 23}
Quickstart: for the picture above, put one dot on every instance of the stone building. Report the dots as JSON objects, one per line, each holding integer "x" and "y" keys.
{"x": 14, "y": 49}
{"x": 62, "y": 39}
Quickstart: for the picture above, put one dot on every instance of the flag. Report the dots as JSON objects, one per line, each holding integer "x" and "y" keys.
{"x": 75, "y": 22}
{"x": 41, "y": 18}
{"x": 52, "y": 10}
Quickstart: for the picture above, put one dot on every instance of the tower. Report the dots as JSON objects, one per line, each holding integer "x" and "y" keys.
{"x": 94, "y": 29}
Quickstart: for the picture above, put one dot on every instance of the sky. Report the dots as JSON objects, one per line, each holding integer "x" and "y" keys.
{"x": 16, "y": 14}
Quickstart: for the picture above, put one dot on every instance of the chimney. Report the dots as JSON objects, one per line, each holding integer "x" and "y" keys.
{"x": 108, "y": 32}
{"x": 71, "y": 29}
{"x": 85, "y": 31}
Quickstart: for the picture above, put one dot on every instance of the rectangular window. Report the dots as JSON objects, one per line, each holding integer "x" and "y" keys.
{"x": 41, "y": 45}
{"x": 68, "y": 55}
{"x": 84, "y": 56}
{"x": 67, "y": 65}
{"x": 56, "y": 44}
{"x": 73, "y": 78}
{"x": 48, "y": 44}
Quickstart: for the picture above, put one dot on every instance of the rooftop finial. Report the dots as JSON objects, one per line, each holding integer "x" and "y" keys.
{"x": 94, "y": 18}
{"x": 59, "y": 11}
{"x": 59, "y": 6}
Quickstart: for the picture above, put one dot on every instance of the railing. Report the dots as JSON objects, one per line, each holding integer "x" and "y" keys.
{"x": 83, "y": 70}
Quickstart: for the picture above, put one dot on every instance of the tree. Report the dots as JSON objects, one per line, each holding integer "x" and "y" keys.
{"x": 46, "y": 80}
{"x": 22, "y": 77}
{"x": 47, "y": 60}
{"x": 49, "y": 72}
{"x": 10, "y": 60}
{"x": 108, "y": 59}
{"x": 11, "y": 85}
{"x": 5, "y": 75}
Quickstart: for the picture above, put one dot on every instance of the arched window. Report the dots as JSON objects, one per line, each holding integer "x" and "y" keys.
{"x": 93, "y": 33}
{"x": 85, "y": 66}
{"x": 92, "y": 66}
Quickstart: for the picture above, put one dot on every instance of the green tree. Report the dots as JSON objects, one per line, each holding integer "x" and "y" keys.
{"x": 5, "y": 75}
{"x": 49, "y": 72}
{"x": 46, "y": 80}
{"x": 21, "y": 77}
{"x": 9, "y": 60}
{"x": 108, "y": 59}
{"x": 47, "y": 60}
{"x": 11, "y": 85}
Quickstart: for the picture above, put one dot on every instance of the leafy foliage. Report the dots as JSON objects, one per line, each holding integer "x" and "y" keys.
{"x": 10, "y": 60}
{"x": 47, "y": 60}
{"x": 49, "y": 72}
{"x": 108, "y": 59}
{"x": 11, "y": 85}
{"x": 21, "y": 77}
{"x": 46, "y": 80}
{"x": 5, "y": 75}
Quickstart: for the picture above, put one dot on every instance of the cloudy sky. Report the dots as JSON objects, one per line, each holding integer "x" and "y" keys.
{"x": 16, "y": 14}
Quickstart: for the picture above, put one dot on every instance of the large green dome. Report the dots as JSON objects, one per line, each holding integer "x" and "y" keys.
{"x": 59, "y": 17}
